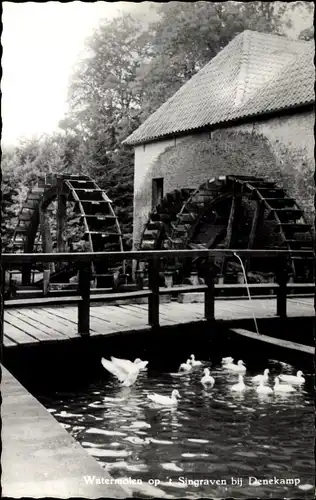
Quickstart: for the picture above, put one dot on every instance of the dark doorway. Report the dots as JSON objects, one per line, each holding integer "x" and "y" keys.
{"x": 157, "y": 191}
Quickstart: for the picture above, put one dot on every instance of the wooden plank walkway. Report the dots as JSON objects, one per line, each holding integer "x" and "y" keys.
{"x": 39, "y": 457}
{"x": 46, "y": 324}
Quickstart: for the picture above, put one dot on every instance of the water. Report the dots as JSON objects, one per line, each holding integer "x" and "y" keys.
{"x": 211, "y": 435}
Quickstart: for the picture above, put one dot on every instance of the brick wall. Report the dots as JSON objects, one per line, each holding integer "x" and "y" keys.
{"x": 280, "y": 148}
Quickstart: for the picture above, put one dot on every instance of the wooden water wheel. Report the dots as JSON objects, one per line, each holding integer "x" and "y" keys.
{"x": 240, "y": 212}
{"x": 157, "y": 231}
{"x": 93, "y": 220}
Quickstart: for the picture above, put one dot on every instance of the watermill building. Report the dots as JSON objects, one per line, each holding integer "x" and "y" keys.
{"x": 248, "y": 112}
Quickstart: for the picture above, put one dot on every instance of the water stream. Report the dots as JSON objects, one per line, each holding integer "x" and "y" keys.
{"x": 211, "y": 435}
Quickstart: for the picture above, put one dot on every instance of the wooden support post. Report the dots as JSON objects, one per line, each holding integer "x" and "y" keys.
{"x": 153, "y": 299}
{"x": 84, "y": 304}
{"x": 46, "y": 279}
{"x": 2, "y": 290}
{"x": 209, "y": 302}
{"x": 231, "y": 226}
{"x": 282, "y": 278}
{"x": 47, "y": 242}
{"x": 61, "y": 216}
{"x": 257, "y": 221}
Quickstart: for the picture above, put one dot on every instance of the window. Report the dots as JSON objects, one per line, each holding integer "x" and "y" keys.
{"x": 157, "y": 191}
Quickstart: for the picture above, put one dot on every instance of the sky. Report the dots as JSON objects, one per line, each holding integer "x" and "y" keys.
{"x": 41, "y": 44}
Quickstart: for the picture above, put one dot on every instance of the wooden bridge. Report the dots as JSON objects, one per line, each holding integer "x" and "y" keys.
{"x": 57, "y": 319}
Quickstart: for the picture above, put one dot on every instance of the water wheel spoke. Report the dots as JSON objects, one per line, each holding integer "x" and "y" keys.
{"x": 96, "y": 222}
{"x": 232, "y": 212}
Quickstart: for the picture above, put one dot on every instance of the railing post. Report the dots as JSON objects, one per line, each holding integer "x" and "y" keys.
{"x": 2, "y": 291}
{"x": 153, "y": 299}
{"x": 209, "y": 301}
{"x": 282, "y": 279}
{"x": 46, "y": 281}
{"x": 84, "y": 303}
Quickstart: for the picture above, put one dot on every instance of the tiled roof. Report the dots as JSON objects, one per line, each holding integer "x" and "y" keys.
{"x": 254, "y": 74}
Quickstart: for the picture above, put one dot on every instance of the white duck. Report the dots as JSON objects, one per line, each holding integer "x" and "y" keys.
{"x": 264, "y": 377}
{"x": 240, "y": 386}
{"x": 127, "y": 363}
{"x": 282, "y": 387}
{"x": 239, "y": 367}
{"x": 194, "y": 362}
{"x": 185, "y": 367}
{"x": 126, "y": 374}
{"x": 293, "y": 379}
{"x": 227, "y": 360}
{"x": 165, "y": 400}
{"x": 207, "y": 380}
{"x": 263, "y": 389}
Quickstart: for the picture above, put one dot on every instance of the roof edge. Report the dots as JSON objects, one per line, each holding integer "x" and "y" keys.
{"x": 229, "y": 123}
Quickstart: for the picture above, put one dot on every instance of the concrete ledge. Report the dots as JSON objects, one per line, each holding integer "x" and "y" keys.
{"x": 39, "y": 457}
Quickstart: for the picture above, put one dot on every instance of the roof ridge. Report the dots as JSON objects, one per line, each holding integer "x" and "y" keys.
{"x": 277, "y": 36}
{"x": 242, "y": 78}
{"x": 255, "y": 72}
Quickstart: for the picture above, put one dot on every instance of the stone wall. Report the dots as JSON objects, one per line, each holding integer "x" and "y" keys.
{"x": 280, "y": 148}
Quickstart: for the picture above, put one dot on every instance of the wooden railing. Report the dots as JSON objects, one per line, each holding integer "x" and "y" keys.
{"x": 83, "y": 260}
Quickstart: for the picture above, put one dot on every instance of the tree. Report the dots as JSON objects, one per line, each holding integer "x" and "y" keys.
{"x": 189, "y": 34}
{"x": 104, "y": 107}
{"x": 22, "y": 167}
{"x": 129, "y": 69}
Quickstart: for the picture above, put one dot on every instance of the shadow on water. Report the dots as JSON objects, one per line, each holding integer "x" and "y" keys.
{"x": 211, "y": 435}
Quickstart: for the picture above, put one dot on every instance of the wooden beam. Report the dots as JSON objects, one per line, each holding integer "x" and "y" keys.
{"x": 256, "y": 221}
{"x": 209, "y": 301}
{"x": 271, "y": 340}
{"x": 282, "y": 279}
{"x": 229, "y": 239}
{"x": 84, "y": 304}
{"x": 61, "y": 216}
{"x": 47, "y": 242}
{"x": 46, "y": 280}
{"x": 153, "y": 299}
{"x": 11, "y": 258}
{"x": 2, "y": 288}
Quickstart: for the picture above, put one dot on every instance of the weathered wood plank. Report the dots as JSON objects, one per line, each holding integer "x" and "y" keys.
{"x": 26, "y": 327}
{"x": 9, "y": 258}
{"x": 164, "y": 314}
{"x": 18, "y": 336}
{"x": 106, "y": 319}
{"x": 51, "y": 320}
{"x": 270, "y": 340}
{"x": 26, "y": 315}
{"x": 8, "y": 342}
{"x": 120, "y": 317}
{"x": 184, "y": 313}
{"x": 231, "y": 310}
{"x": 142, "y": 313}
{"x": 254, "y": 305}
{"x": 41, "y": 322}
{"x": 301, "y": 302}
{"x": 75, "y": 299}
{"x": 101, "y": 327}
{"x": 96, "y": 327}
{"x": 61, "y": 323}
